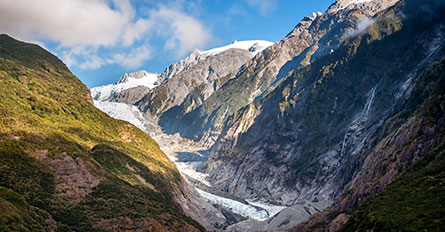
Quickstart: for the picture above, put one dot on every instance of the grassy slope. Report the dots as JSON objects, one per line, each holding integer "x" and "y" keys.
{"x": 44, "y": 108}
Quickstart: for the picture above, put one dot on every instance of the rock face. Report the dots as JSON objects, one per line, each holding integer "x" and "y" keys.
{"x": 327, "y": 115}
{"x": 130, "y": 96}
{"x": 307, "y": 139}
{"x": 193, "y": 80}
{"x": 252, "y": 46}
{"x": 412, "y": 135}
{"x": 312, "y": 38}
{"x": 74, "y": 177}
{"x": 183, "y": 86}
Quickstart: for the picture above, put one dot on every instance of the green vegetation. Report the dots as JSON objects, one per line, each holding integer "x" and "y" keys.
{"x": 45, "y": 111}
{"x": 414, "y": 202}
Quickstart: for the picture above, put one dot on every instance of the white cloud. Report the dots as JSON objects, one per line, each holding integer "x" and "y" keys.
{"x": 362, "y": 24}
{"x": 91, "y": 59}
{"x": 263, "y": 6}
{"x": 135, "y": 58}
{"x": 68, "y": 58}
{"x": 69, "y": 22}
{"x": 185, "y": 32}
{"x": 94, "y": 62}
{"x": 136, "y": 31}
{"x": 238, "y": 10}
{"x": 93, "y": 33}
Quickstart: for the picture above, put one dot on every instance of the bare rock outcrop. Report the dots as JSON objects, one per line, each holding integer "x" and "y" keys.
{"x": 74, "y": 176}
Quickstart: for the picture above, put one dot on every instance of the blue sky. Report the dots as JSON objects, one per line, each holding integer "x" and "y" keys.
{"x": 100, "y": 40}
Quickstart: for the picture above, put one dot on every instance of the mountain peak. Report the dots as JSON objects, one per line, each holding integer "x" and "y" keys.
{"x": 135, "y": 75}
{"x": 127, "y": 81}
{"x": 373, "y": 6}
{"x": 253, "y": 46}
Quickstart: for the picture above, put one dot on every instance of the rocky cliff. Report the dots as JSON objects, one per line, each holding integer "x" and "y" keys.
{"x": 183, "y": 86}
{"x": 382, "y": 196}
{"x": 193, "y": 80}
{"x": 331, "y": 115}
{"x": 330, "y": 127}
{"x": 312, "y": 38}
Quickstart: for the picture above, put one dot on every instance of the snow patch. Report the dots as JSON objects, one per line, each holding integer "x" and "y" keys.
{"x": 254, "y": 46}
{"x": 128, "y": 81}
{"x": 350, "y": 2}
{"x": 370, "y": 101}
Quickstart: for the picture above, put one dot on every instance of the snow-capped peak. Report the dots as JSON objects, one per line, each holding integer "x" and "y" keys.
{"x": 136, "y": 75}
{"x": 372, "y": 5}
{"x": 343, "y": 4}
{"x": 253, "y": 46}
{"x": 127, "y": 81}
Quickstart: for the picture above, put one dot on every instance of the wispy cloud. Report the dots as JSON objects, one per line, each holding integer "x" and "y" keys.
{"x": 135, "y": 58}
{"x": 265, "y": 7}
{"x": 94, "y": 62}
{"x": 363, "y": 23}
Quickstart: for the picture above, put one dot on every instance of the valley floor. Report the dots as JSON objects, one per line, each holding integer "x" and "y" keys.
{"x": 246, "y": 214}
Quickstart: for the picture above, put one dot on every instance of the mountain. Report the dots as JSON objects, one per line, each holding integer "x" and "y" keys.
{"x": 130, "y": 88}
{"x": 252, "y": 46}
{"x": 210, "y": 69}
{"x": 184, "y": 85}
{"x": 346, "y": 126}
{"x": 383, "y": 196}
{"x": 312, "y": 38}
{"x": 67, "y": 166}
{"x": 336, "y": 123}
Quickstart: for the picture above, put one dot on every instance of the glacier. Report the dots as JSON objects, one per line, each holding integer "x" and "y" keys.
{"x": 121, "y": 111}
{"x": 255, "y": 210}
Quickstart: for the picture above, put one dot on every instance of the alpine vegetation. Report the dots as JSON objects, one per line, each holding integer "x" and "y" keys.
{"x": 338, "y": 125}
